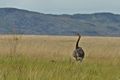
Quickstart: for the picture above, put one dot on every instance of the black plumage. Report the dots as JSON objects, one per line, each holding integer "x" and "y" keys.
{"x": 78, "y": 53}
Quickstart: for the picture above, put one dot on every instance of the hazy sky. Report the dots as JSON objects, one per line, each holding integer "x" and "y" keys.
{"x": 64, "y": 6}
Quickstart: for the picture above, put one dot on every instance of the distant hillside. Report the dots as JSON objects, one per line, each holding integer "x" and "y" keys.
{"x": 19, "y": 21}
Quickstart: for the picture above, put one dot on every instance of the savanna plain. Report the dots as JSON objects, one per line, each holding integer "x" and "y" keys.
{"x": 31, "y": 57}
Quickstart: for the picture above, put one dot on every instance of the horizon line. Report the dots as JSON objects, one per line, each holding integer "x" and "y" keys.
{"x": 96, "y": 12}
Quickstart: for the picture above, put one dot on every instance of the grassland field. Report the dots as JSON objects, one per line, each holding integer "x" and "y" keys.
{"x": 31, "y": 57}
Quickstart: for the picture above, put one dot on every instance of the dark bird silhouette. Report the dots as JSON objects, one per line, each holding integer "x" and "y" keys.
{"x": 78, "y": 53}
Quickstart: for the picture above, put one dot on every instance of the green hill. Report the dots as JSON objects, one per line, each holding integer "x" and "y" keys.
{"x": 20, "y": 21}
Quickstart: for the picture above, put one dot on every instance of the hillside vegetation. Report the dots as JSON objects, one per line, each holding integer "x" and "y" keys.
{"x": 50, "y": 58}
{"x": 29, "y": 22}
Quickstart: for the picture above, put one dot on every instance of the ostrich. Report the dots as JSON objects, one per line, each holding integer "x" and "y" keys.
{"x": 78, "y": 53}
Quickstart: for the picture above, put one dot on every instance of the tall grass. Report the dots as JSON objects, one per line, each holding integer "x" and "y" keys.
{"x": 49, "y": 58}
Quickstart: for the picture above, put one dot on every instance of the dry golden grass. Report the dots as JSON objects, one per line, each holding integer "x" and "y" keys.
{"x": 60, "y": 46}
{"x": 50, "y": 58}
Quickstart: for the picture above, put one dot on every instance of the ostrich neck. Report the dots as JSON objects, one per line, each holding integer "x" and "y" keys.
{"x": 77, "y": 42}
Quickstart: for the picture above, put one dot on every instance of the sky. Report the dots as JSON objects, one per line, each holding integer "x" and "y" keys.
{"x": 64, "y": 6}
